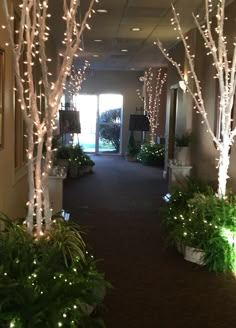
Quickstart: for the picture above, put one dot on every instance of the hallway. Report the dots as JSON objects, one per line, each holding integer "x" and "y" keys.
{"x": 153, "y": 287}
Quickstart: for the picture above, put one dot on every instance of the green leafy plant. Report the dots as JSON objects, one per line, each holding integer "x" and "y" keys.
{"x": 184, "y": 140}
{"x": 151, "y": 154}
{"x": 176, "y": 208}
{"x": 50, "y": 282}
{"x": 212, "y": 228}
{"x": 132, "y": 147}
{"x": 67, "y": 239}
{"x": 200, "y": 219}
{"x": 77, "y": 158}
{"x": 63, "y": 152}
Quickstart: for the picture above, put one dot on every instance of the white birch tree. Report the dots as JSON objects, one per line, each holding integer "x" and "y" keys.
{"x": 154, "y": 82}
{"x": 28, "y": 45}
{"x": 216, "y": 44}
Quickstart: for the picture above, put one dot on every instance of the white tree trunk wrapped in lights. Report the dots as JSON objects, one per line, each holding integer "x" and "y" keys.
{"x": 154, "y": 83}
{"x": 30, "y": 49}
{"x": 216, "y": 45}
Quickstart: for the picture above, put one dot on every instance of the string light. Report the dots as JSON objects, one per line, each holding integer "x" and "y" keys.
{"x": 76, "y": 78}
{"x": 154, "y": 82}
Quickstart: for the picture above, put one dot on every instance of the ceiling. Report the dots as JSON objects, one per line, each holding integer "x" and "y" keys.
{"x": 113, "y": 29}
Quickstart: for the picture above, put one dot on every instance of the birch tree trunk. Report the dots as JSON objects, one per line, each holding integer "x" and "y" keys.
{"x": 223, "y": 168}
{"x": 30, "y": 163}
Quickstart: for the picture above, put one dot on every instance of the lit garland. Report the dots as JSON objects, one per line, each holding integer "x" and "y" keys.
{"x": 30, "y": 49}
{"x": 151, "y": 154}
{"x": 140, "y": 95}
{"x": 75, "y": 80}
{"x": 154, "y": 85}
{"x": 225, "y": 74}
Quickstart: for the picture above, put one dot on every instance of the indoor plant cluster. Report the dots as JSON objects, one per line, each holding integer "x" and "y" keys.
{"x": 132, "y": 148}
{"x": 50, "y": 281}
{"x": 183, "y": 140}
{"x": 151, "y": 154}
{"x": 79, "y": 163}
{"x": 194, "y": 216}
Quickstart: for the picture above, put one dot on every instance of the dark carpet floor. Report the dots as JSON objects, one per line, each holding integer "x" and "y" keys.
{"x": 154, "y": 287}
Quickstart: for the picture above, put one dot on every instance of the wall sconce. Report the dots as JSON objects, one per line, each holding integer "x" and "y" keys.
{"x": 182, "y": 85}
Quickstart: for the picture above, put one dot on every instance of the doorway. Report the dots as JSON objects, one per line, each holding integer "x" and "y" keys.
{"x": 171, "y": 126}
{"x": 101, "y": 122}
{"x": 172, "y": 121}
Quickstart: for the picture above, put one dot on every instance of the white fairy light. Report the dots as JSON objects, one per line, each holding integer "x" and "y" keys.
{"x": 154, "y": 82}
{"x": 76, "y": 78}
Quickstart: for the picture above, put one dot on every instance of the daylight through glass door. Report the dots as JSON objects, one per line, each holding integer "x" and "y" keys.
{"x": 109, "y": 123}
{"x": 100, "y": 120}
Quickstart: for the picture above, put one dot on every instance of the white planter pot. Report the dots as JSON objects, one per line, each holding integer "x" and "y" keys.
{"x": 55, "y": 187}
{"x": 182, "y": 155}
{"x": 177, "y": 174}
{"x": 194, "y": 255}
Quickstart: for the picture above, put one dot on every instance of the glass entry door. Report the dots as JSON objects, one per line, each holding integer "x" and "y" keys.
{"x": 87, "y": 107}
{"x": 100, "y": 120}
{"x": 109, "y": 123}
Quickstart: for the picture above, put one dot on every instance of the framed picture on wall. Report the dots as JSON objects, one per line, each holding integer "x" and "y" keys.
{"x": 2, "y": 91}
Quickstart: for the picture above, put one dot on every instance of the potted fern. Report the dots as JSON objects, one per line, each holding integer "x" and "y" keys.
{"x": 182, "y": 149}
{"x": 132, "y": 149}
{"x": 48, "y": 282}
{"x": 204, "y": 224}
{"x": 151, "y": 154}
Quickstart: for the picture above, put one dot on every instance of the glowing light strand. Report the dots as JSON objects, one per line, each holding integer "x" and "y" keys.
{"x": 154, "y": 82}
{"x": 76, "y": 78}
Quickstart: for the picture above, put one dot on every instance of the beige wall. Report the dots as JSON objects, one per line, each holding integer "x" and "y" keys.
{"x": 121, "y": 82}
{"x": 204, "y": 153}
{"x": 13, "y": 186}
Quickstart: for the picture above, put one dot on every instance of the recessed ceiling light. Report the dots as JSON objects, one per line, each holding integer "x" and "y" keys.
{"x": 124, "y": 50}
{"x": 102, "y": 11}
{"x": 135, "y": 29}
{"x": 97, "y": 40}
{"x": 95, "y": 55}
